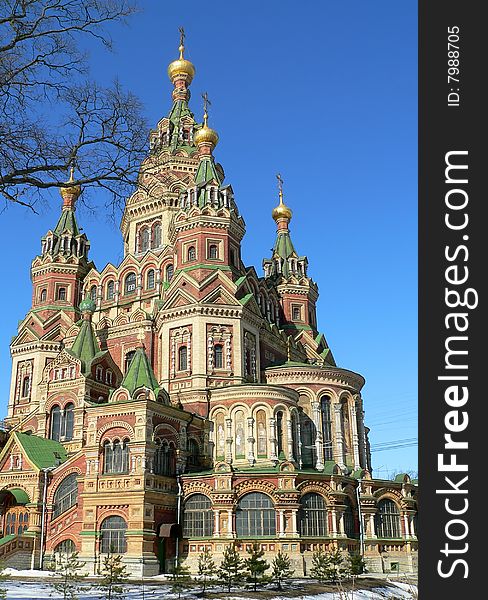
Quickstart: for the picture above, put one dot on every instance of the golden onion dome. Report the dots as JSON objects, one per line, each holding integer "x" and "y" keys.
{"x": 73, "y": 191}
{"x": 206, "y": 135}
{"x": 281, "y": 212}
{"x": 181, "y": 66}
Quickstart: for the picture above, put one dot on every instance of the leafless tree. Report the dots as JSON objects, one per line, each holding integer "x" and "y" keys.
{"x": 52, "y": 116}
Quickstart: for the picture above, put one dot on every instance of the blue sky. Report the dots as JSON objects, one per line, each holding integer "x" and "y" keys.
{"x": 325, "y": 94}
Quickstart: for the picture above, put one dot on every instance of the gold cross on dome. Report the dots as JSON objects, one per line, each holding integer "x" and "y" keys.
{"x": 280, "y": 185}
{"x": 182, "y": 35}
{"x": 206, "y": 104}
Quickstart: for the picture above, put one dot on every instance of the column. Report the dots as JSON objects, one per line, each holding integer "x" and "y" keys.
{"x": 355, "y": 437}
{"x": 371, "y": 526}
{"x": 342, "y": 531}
{"x": 228, "y": 440}
{"x": 289, "y": 435}
{"x": 294, "y": 522}
{"x": 250, "y": 441}
{"x": 406, "y": 527}
{"x": 216, "y": 522}
{"x": 338, "y": 435}
{"x": 272, "y": 440}
{"x": 334, "y": 522}
{"x": 229, "y": 522}
{"x": 319, "y": 449}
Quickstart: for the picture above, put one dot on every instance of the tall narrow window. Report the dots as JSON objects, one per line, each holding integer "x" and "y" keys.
{"x": 255, "y": 516}
{"x": 26, "y": 386}
{"x": 213, "y": 252}
{"x": 43, "y": 296}
{"x": 240, "y": 434}
{"x": 62, "y": 293}
{"x": 69, "y": 421}
{"x": 279, "y": 432}
{"x": 193, "y": 453}
{"x": 156, "y": 236}
{"x": 326, "y": 427}
{"x": 151, "y": 280}
{"x": 183, "y": 358}
{"x": 110, "y": 290}
{"x": 113, "y": 536}
{"x": 198, "y": 517}
{"x": 130, "y": 283}
{"x": 164, "y": 458}
{"x": 169, "y": 272}
{"x": 348, "y": 517}
{"x": 220, "y": 436}
{"x": 55, "y": 432}
{"x": 345, "y": 424}
{"x": 192, "y": 253}
{"x": 296, "y": 313}
{"x": 144, "y": 237}
{"x": 218, "y": 356}
{"x": 93, "y": 293}
{"x": 108, "y": 457}
{"x": 387, "y": 520}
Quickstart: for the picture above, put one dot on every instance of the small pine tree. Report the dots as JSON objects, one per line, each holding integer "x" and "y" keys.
{"x": 337, "y": 566}
{"x": 68, "y": 567}
{"x": 356, "y": 564}
{"x": 281, "y": 569}
{"x": 256, "y": 566}
{"x": 3, "y": 577}
{"x": 206, "y": 567}
{"x": 321, "y": 567}
{"x": 114, "y": 575}
{"x": 180, "y": 578}
{"x": 231, "y": 568}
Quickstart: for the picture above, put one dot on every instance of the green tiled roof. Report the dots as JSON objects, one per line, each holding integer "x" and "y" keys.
{"x": 67, "y": 222}
{"x": 41, "y": 452}
{"x": 85, "y": 347}
{"x": 140, "y": 374}
{"x": 6, "y": 539}
{"x": 206, "y": 172}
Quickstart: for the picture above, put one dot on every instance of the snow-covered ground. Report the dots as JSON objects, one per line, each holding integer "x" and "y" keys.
{"x": 35, "y": 586}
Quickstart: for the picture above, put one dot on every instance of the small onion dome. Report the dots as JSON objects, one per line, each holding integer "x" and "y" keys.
{"x": 281, "y": 211}
{"x": 206, "y": 135}
{"x": 71, "y": 193}
{"x": 181, "y": 66}
{"x": 87, "y": 306}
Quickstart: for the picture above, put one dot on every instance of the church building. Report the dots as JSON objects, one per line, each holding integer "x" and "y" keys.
{"x": 182, "y": 400}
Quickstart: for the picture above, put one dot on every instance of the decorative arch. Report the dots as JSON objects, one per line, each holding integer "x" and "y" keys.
{"x": 321, "y": 488}
{"x": 159, "y": 432}
{"x": 249, "y": 486}
{"x": 54, "y": 486}
{"x": 113, "y": 425}
{"x": 197, "y": 487}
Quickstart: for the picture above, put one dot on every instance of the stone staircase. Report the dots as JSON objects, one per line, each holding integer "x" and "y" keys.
{"x": 16, "y": 551}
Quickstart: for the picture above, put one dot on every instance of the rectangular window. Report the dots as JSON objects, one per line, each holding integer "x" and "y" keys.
{"x": 296, "y": 313}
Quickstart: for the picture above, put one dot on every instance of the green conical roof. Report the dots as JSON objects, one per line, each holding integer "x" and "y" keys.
{"x": 67, "y": 222}
{"x": 178, "y": 111}
{"x": 284, "y": 248}
{"x": 207, "y": 171}
{"x": 140, "y": 374}
{"x": 85, "y": 346}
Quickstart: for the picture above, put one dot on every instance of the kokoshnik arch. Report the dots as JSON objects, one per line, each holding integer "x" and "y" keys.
{"x": 179, "y": 400}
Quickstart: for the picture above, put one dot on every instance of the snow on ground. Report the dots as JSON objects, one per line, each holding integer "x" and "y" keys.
{"x": 37, "y": 588}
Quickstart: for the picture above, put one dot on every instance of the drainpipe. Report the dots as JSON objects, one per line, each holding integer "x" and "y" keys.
{"x": 360, "y": 514}
{"x": 43, "y": 517}
{"x": 178, "y": 518}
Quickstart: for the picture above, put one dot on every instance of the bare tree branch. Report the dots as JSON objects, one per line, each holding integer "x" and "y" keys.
{"x": 51, "y": 115}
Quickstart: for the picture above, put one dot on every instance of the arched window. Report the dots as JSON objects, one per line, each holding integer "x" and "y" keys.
{"x": 130, "y": 284}
{"x": 192, "y": 253}
{"x": 55, "y": 428}
{"x": 116, "y": 457}
{"x": 183, "y": 358}
{"x": 66, "y": 548}
{"x": 62, "y": 293}
{"x": 69, "y": 421}
{"x": 113, "y": 536}
{"x": 110, "y": 290}
{"x": 26, "y": 386}
{"x": 93, "y": 293}
{"x": 255, "y": 516}
{"x": 164, "y": 459}
{"x": 308, "y": 432}
{"x": 326, "y": 427}
{"x": 108, "y": 377}
{"x": 348, "y": 519}
{"x": 128, "y": 359}
{"x": 279, "y": 432}
{"x": 151, "y": 279}
{"x": 43, "y": 296}
{"x": 99, "y": 373}
{"x": 144, "y": 239}
{"x": 387, "y": 519}
{"x": 312, "y": 516}
{"x": 345, "y": 425}
{"x": 295, "y": 435}
{"x": 66, "y": 495}
{"x": 213, "y": 252}
{"x": 156, "y": 235}
{"x": 240, "y": 435}
{"x": 261, "y": 434}
{"x": 218, "y": 356}
{"x": 169, "y": 272}
{"x": 193, "y": 453}
{"x": 198, "y": 517}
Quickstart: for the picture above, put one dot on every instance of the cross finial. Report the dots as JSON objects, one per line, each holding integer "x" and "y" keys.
{"x": 280, "y": 186}
{"x": 206, "y": 104}
{"x": 182, "y": 40}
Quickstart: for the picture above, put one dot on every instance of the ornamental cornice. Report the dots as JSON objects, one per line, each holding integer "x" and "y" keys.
{"x": 32, "y": 346}
{"x": 298, "y": 374}
{"x": 197, "y": 487}
{"x": 269, "y": 392}
{"x": 165, "y": 315}
{"x": 254, "y": 485}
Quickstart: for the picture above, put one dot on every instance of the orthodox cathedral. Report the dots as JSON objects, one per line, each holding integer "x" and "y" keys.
{"x": 182, "y": 400}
